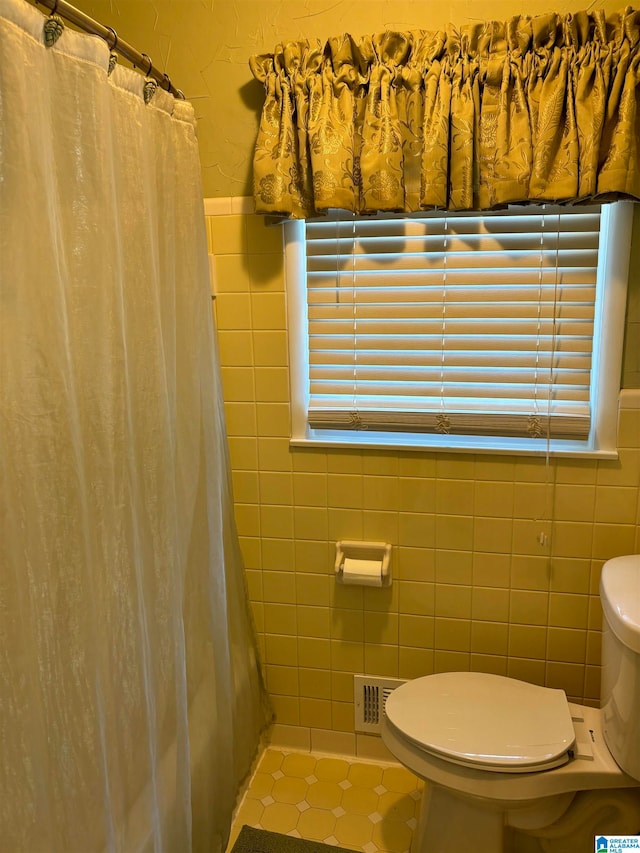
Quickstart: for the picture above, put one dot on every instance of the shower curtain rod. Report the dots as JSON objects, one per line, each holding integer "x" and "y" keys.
{"x": 138, "y": 60}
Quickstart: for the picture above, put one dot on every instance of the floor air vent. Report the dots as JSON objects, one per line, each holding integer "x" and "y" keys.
{"x": 370, "y": 696}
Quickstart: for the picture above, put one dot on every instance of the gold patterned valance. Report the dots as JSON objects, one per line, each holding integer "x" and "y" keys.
{"x": 531, "y": 109}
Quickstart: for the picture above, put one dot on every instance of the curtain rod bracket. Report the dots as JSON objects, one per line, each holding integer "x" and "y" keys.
{"x": 79, "y": 19}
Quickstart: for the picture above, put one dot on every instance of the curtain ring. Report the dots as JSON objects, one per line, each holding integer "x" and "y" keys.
{"x": 115, "y": 37}
{"x": 148, "y": 71}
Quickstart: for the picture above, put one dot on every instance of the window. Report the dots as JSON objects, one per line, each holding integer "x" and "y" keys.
{"x": 498, "y": 331}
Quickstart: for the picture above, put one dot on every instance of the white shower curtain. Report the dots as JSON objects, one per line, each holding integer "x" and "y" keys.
{"x": 130, "y": 698}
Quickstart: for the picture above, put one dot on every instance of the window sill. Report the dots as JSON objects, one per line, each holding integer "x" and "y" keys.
{"x": 450, "y": 444}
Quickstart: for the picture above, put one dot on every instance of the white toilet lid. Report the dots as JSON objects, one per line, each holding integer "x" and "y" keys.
{"x": 484, "y": 721}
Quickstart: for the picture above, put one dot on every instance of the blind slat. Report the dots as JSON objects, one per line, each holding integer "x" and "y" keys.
{"x": 482, "y": 328}
{"x": 420, "y": 294}
{"x": 435, "y": 260}
{"x": 327, "y": 249}
{"x": 473, "y": 278}
{"x": 430, "y": 391}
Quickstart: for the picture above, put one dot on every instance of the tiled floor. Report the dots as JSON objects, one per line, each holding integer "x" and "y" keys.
{"x": 344, "y": 802}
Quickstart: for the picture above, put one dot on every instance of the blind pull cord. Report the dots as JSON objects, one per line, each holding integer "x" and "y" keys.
{"x": 443, "y": 421}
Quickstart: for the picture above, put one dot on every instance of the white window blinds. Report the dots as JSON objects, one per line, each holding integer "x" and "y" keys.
{"x": 460, "y": 323}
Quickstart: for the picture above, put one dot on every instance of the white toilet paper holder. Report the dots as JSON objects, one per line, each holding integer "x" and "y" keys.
{"x": 348, "y": 549}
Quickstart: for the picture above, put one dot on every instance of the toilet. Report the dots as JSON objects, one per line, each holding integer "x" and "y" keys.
{"x": 512, "y": 767}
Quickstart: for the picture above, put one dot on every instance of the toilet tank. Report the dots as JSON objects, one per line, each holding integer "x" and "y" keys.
{"x": 620, "y": 682}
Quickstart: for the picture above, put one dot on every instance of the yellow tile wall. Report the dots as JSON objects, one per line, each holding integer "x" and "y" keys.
{"x": 473, "y": 588}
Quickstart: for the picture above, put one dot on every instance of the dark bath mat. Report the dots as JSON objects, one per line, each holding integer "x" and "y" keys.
{"x": 253, "y": 840}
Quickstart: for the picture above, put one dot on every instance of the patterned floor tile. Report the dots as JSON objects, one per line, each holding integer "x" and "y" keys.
{"x": 342, "y": 802}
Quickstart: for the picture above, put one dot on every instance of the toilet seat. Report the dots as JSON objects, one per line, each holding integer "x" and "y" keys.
{"x": 484, "y": 721}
